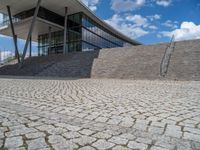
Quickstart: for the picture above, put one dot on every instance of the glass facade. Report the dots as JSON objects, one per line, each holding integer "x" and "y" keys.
{"x": 98, "y": 36}
{"x": 83, "y": 34}
{"x": 56, "y": 43}
{"x": 74, "y": 32}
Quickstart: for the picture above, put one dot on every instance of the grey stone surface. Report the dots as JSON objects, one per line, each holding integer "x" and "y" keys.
{"x": 99, "y": 114}
{"x": 136, "y": 62}
{"x": 68, "y": 145}
{"x": 118, "y": 140}
{"x": 174, "y": 131}
{"x": 102, "y": 145}
{"x": 86, "y": 132}
{"x": 37, "y": 144}
{"x": 143, "y": 62}
{"x": 137, "y": 145}
{"x": 1, "y": 143}
{"x": 71, "y": 135}
{"x": 191, "y": 136}
{"x": 71, "y": 65}
{"x": 102, "y": 135}
{"x": 84, "y": 140}
{"x": 14, "y": 142}
{"x": 54, "y": 139}
{"x": 19, "y": 148}
{"x": 129, "y": 62}
{"x": 87, "y": 148}
{"x": 157, "y": 148}
{"x": 121, "y": 148}
{"x": 184, "y": 63}
{"x": 35, "y": 135}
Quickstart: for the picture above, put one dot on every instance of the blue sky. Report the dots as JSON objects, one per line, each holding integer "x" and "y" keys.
{"x": 151, "y": 21}
{"x": 148, "y": 21}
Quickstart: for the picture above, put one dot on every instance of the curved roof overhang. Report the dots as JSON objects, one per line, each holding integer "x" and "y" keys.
{"x": 22, "y": 27}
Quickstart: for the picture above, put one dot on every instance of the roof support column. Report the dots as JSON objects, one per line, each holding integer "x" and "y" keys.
{"x": 39, "y": 47}
{"x": 65, "y": 49}
{"x": 49, "y": 39}
{"x": 30, "y": 31}
{"x": 30, "y": 47}
{"x": 13, "y": 34}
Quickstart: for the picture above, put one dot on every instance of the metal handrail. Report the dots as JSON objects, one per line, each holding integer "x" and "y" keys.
{"x": 167, "y": 56}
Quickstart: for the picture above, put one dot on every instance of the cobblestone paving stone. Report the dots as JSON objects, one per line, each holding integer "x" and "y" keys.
{"x": 91, "y": 114}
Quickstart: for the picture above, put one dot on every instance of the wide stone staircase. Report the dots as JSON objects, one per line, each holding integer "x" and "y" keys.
{"x": 185, "y": 61}
{"x": 75, "y": 65}
{"x": 138, "y": 62}
{"x": 31, "y": 66}
{"x": 144, "y": 62}
{"x": 78, "y": 65}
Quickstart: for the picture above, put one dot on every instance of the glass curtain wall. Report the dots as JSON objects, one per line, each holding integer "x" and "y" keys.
{"x": 74, "y": 32}
{"x": 96, "y": 37}
{"x": 83, "y": 34}
{"x": 56, "y": 43}
{"x": 86, "y": 35}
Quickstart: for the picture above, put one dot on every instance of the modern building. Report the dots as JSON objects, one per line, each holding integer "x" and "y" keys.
{"x": 50, "y": 22}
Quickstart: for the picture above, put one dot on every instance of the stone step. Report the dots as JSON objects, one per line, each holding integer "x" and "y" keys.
{"x": 185, "y": 61}
{"x": 145, "y": 50}
{"x": 76, "y": 64}
{"x": 79, "y": 65}
{"x": 139, "y": 62}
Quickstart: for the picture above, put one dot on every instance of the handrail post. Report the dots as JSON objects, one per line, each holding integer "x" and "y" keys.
{"x": 166, "y": 58}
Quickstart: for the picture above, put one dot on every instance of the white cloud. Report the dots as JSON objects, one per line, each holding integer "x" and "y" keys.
{"x": 153, "y": 27}
{"x": 92, "y": 4}
{"x": 171, "y": 24}
{"x": 123, "y": 24}
{"x": 164, "y": 3}
{"x": 187, "y": 31}
{"x": 154, "y": 17}
{"x": 126, "y": 5}
{"x": 138, "y": 20}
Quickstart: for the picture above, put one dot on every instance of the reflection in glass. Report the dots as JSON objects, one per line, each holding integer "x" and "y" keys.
{"x": 83, "y": 34}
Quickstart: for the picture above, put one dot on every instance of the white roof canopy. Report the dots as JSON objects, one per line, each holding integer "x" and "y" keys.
{"x": 57, "y": 6}
{"x": 22, "y": 27}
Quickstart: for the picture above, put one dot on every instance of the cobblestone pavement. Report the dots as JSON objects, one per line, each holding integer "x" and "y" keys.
{"x": 91, "y": 114}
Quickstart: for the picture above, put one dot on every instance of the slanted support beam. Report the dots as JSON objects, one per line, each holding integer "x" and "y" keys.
{"x": 65, "y": 49}
{"x": 30, "y": 32}
{"x": 30, "y": 47}
{"x": 13, "y": 34}
{"x": 39, "y": 48}
{"x": 49, "y": 39}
